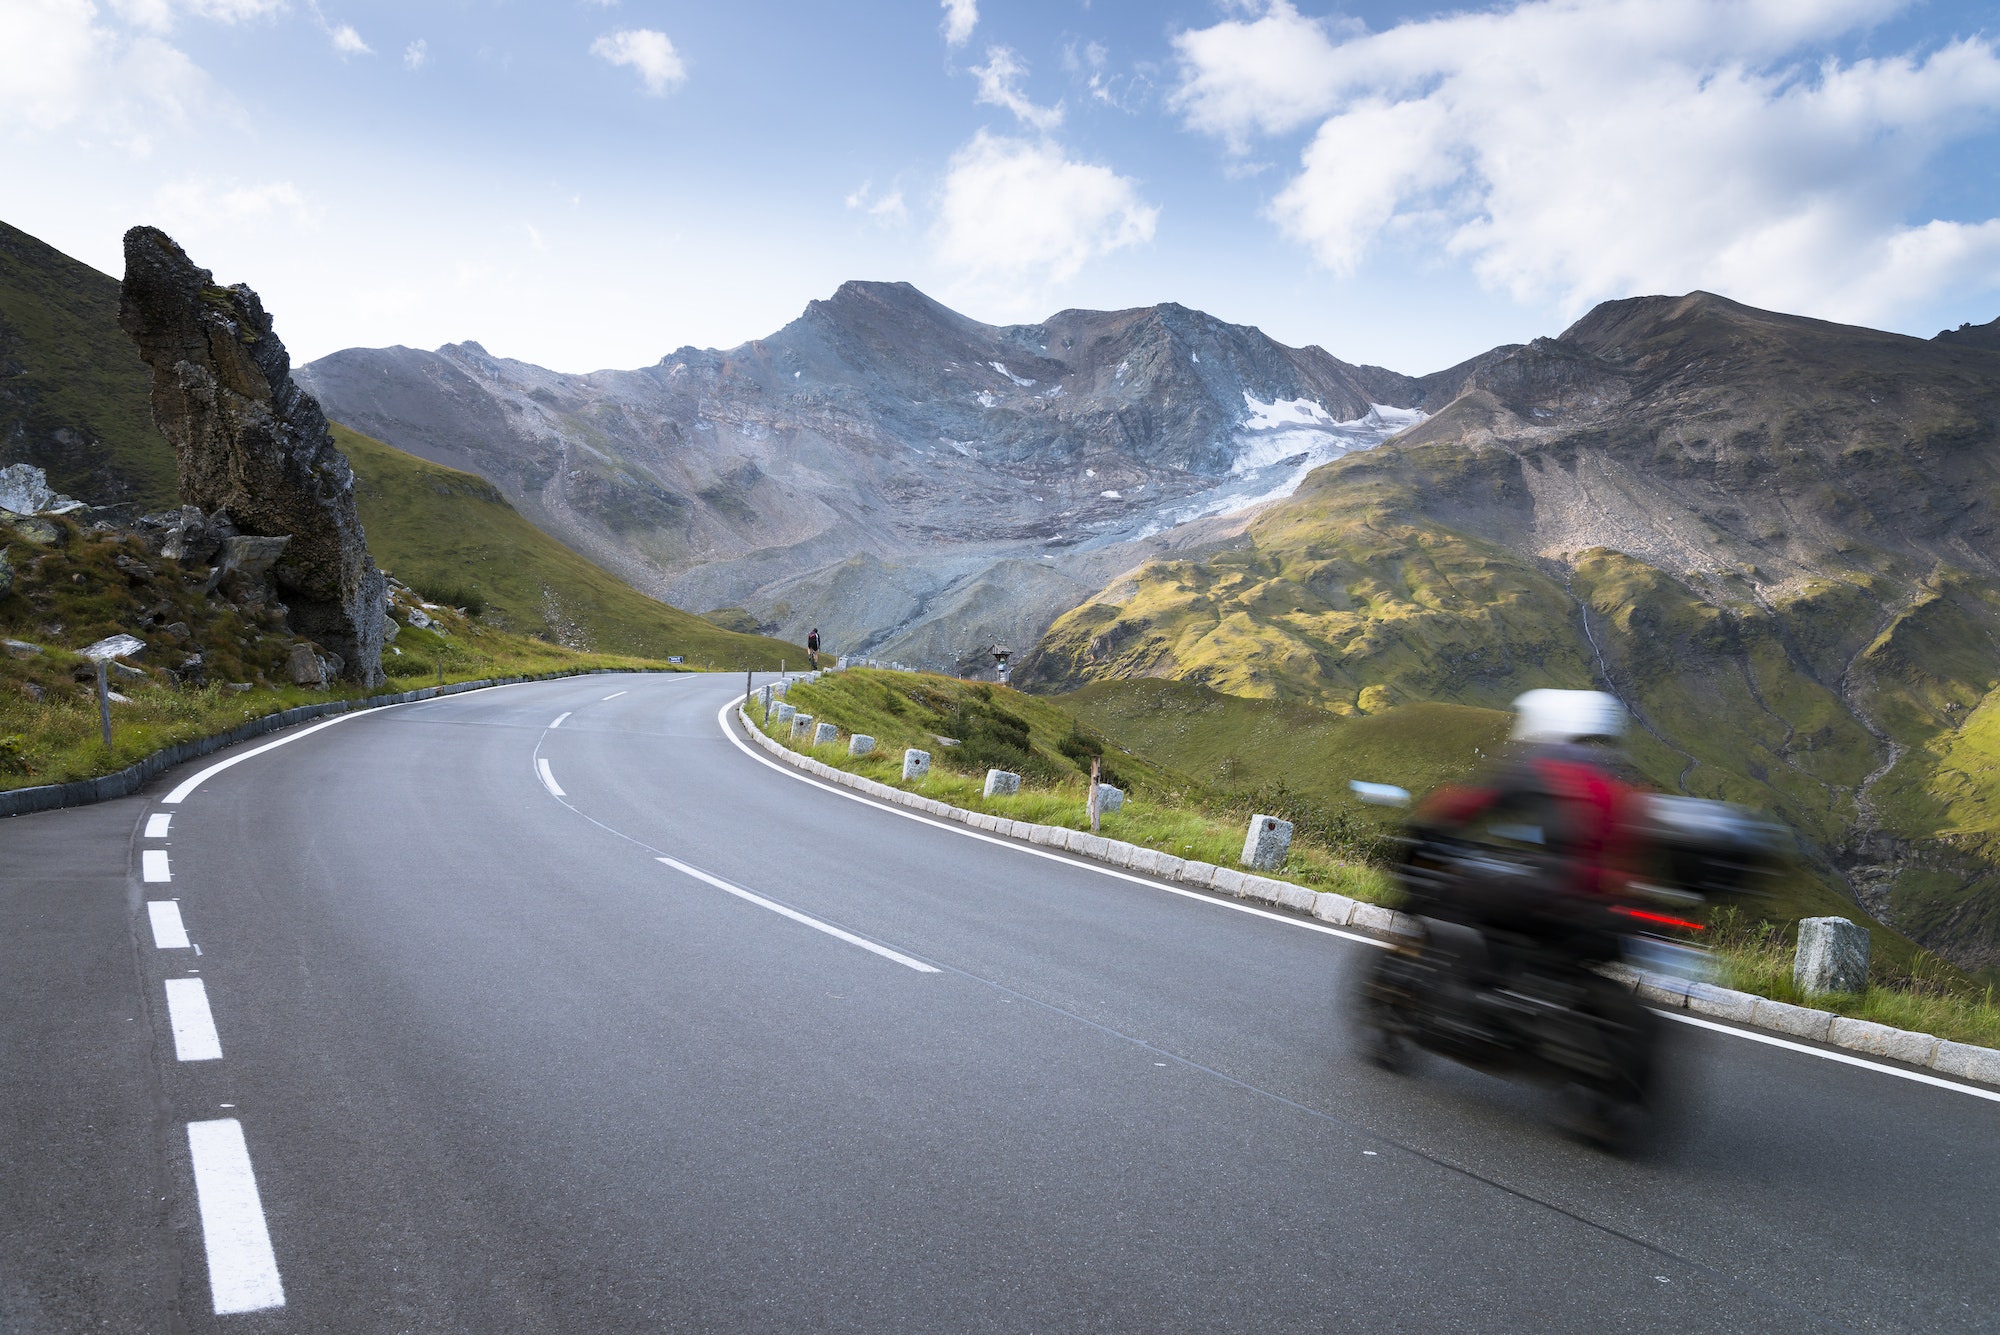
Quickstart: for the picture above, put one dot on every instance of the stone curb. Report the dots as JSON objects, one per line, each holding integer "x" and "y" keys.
{"x": 1965, "y": 1061}
{"x": 125, "y": 782}
{"x": 1961, "y": 1060}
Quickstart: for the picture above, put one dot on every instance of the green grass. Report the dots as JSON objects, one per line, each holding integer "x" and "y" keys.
{"x": 453, "y": 537}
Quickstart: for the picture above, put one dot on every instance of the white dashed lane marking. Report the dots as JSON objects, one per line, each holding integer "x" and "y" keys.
{"x": 157, "y": 823}
{"x": 613, "y": 696}
{"x": 169, "y": 933}
{"x": 194, "y": 1027}
{"x": 242, "y": 1271}
{"x": 560, "y": 717}
{"x": 153, "y": 865}
{"x": 549, "y": 779}
{"x": 799, "y": 917}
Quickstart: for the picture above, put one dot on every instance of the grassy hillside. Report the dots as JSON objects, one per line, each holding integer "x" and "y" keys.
{"x": 1772, "y": 538}
{"x": 73, "y": 392}
{"x": 453, "y": 537}
{"x": 208, "y": 664}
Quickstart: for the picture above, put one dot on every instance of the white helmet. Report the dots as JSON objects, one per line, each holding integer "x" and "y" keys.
{"x": 1567, "y": 716}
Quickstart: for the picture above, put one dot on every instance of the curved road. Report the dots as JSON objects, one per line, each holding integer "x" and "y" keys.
{"x": 493, "y": 1065}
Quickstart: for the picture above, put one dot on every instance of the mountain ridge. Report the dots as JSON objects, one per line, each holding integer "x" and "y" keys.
{"x": 882, "y": 426}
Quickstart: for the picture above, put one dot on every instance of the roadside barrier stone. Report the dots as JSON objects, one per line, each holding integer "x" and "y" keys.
{"x": 801, "y": 726}
{"x": 825, "y": 733}
{"x": 1109, "y": 799}
{"x": 1267, "y": 843}
{"x": 860, "y": 744}
{"x": 1002, "y": 783}
{"x": 1832, "y": 956}
{"x": 916, "y": 764}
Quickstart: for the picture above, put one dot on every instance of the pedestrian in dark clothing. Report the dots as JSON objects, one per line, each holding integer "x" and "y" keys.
{"x": 812, "y": 647}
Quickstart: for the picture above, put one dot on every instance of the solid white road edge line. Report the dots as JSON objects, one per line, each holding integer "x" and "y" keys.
{"x": 560, "y": 717}
{"x": 242, "y": 1271}
{"x": 169, "y": 932}
{"x": 153, "y": 866}
{"x": 798, "y": 917}
{"x": 157, "y": 823}
{"x": 180, "y": 794}
{"x": 548, "y": 778}
{"x": 613, "y": 696}
{"x": 192, "y": 1023}
{"x": 1096, "y": 867}
{"x": 952, "y": 827}
{"x": 1845, "y": 1059}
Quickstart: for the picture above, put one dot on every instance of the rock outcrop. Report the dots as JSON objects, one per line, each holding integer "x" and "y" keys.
{"x": 247, "y": 440}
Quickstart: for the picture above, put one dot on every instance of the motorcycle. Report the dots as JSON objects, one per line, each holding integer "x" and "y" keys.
{"x": 1505, "y": 977}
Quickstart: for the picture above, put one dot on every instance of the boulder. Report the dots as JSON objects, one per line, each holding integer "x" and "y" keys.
{"x": 31, "y": 527}
{"x": 25, "y": 490}
{"x": 248, "y": 440}
{"x": 305, "y": 666}
{"x": 1002, "y": 783}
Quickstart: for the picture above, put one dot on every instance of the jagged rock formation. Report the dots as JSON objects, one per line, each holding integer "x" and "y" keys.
{"x": 247, "y": 440}
{"x": 915, "y": 483}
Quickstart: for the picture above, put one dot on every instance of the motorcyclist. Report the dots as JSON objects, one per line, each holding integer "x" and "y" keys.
{"x": 1554, "y": 822}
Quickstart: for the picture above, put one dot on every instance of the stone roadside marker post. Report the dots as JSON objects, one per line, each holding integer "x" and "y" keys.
{"x": 1000, "y": 783}
{"x": 1267, "y": 842}
{"x": 786, "y": 712}
{"x": 1109, "y": 799}
{"x": 1833, "y": 956}
{"x": 825, "y": 733}
{"x": 916, "y": 764}
{"x": 860, "y": 744}
{"x": 801, "y": 726}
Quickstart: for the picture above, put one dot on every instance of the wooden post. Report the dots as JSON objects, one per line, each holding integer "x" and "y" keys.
{"x": 1093, "y": 794}
{"x": 104, "y": 703}
{"x": 749, "y": 674}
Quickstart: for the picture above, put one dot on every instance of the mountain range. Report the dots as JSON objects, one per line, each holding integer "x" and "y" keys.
{"x": 915, "y": 483}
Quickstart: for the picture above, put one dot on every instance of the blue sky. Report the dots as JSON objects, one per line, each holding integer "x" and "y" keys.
{"x": 594, "y": 184}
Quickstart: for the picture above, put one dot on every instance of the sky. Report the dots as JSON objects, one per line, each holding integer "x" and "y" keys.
{"x": 594, "y": 183}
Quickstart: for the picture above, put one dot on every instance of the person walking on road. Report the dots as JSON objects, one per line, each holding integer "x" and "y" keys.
{"x": 812, "y": 648}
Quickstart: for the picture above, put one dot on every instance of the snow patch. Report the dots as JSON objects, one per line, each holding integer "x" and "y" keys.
{"x": 986, "y": 399}
{"x": 1001, "y": 367}
{"x": 1110, "y": 495}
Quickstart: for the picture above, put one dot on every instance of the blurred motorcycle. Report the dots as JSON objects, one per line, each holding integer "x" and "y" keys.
{"x": 1503, "y": 969}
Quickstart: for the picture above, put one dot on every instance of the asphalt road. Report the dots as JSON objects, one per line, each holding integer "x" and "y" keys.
{"x": 496, "y": 1067}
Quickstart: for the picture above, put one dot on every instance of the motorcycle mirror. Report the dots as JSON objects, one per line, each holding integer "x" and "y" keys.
{"x": 1380, "y": 794}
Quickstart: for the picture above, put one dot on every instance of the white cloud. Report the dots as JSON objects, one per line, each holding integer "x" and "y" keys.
{"x": 232, "y": 11}
{"x": 1012, "y": 209}
{"x": 960, "y": 18}
{"x": 62, "y": 70}
{"x": 347, "y": 41}
{"x": 1000, "y": 86}
{"x": 660, "y": 67}
{"x": 200, "y": 204}
{"x": 416, "y": 55}
{"x": 889, "y": 208}
{"x": 1584, "y": 149}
